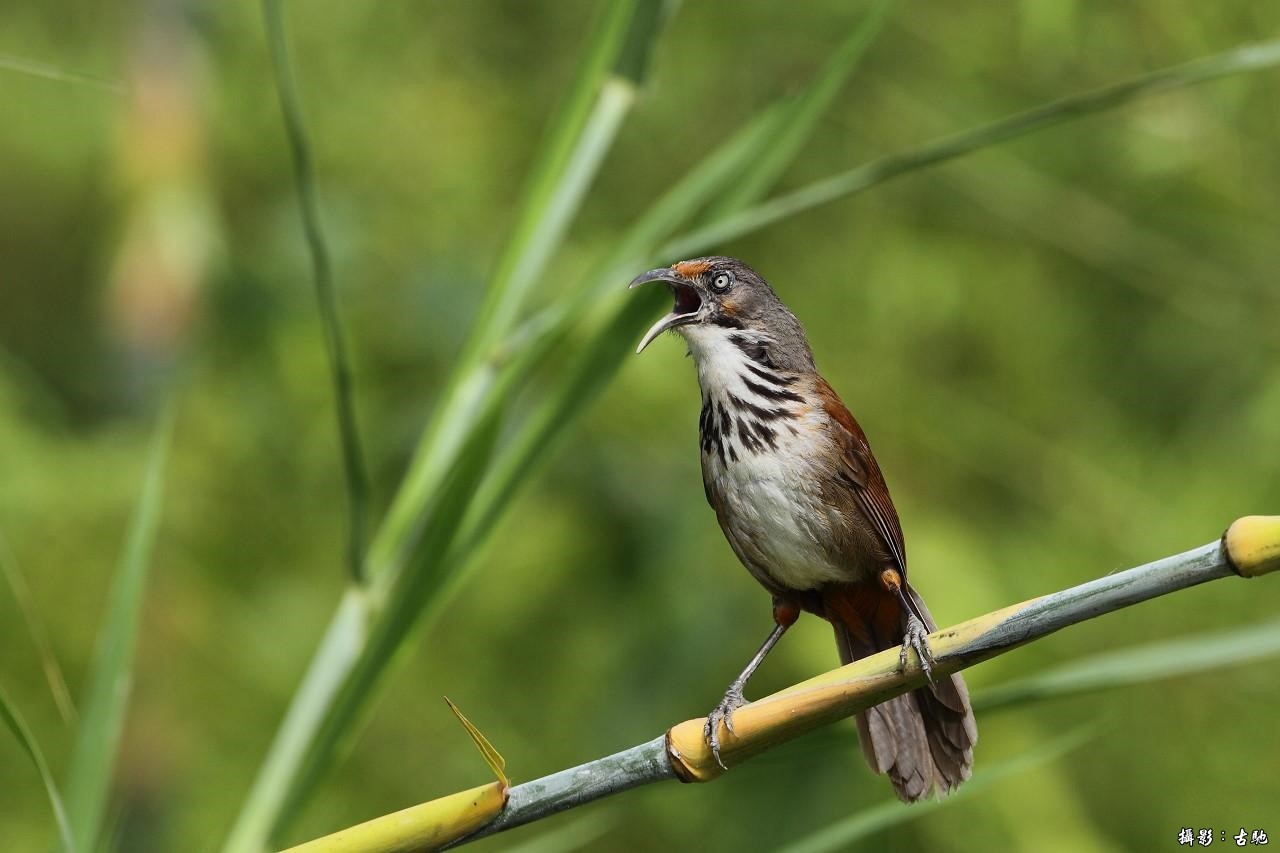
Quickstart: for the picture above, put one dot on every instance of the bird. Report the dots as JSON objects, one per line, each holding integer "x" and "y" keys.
{"x": 805, "y": 507}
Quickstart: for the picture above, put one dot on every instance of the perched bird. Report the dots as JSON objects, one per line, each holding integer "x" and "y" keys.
{"x": 804, "y": 506}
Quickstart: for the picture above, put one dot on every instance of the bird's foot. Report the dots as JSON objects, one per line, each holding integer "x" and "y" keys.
{"x": 733, "y": 700}
{"x": 917, "y": 637}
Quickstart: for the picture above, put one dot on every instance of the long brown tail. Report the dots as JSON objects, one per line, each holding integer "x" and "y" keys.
{"x": 923, "y": 740}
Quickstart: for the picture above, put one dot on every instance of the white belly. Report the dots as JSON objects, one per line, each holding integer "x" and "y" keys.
{"x": 773, "y": 517}
{"x": 764, "y": 491}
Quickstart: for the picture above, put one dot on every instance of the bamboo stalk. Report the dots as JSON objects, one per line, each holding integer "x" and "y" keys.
{"x": 1249, "y": 548}
{"x": 426, "y": 826}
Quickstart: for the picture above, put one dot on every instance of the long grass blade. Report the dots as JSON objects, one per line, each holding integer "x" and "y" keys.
{"x": 98, "y": 739}
{"x": 803, "y": 114}
{"x": 36, "y": 630}
{"x": 538, "y": 436}
{"x": 1204, "y": 290}
{"x": 701, "y": 185}
{"x": 842, "y": 833}
{"x": 14, "y": 722}
{"x": 600, "y": 98}
{"x": 322, "y": 274}
{"x": 1150, "y": 662}
{"x": 33, "y": 68}
{"x": 580, "y": 136}
{"x": 1238, "y": 61}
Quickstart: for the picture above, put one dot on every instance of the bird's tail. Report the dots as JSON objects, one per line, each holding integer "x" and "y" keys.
{"x": 923, "y": 740}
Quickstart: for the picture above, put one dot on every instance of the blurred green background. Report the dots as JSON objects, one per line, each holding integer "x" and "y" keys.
{"x": 1064, "y": 350}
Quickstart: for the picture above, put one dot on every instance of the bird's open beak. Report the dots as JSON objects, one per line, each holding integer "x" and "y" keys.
{"x": 687, "y": 306}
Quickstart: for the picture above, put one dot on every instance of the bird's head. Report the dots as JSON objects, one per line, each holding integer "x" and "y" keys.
{"x": 711, "y": 291}
{"x": 726, "y": 295}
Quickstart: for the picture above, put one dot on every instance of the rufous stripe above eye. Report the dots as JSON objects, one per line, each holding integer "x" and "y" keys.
{"x": 690, "y": 269}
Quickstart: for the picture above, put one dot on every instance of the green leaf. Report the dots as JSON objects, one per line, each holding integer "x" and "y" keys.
{"x": 1210, "y": 651}
{"x": 699, "y": 186}
{"x": 22, "y": 65}
{"x": 581, "y": 135}
{"x": 1251, "y": 58}
{"x": 803, "y": 114}
{"x": 538, "y": 435}
{"x": 98, "y": 738}
{"x": 842, "y": 833}
{"x": 647, "y": 20}
{"x": 13, "y": 720}
{"x": 36, "y": 630}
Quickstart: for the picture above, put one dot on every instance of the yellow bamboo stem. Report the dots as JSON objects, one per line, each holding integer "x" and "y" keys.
{"x": 428, "y": 826}
{"x": 826, "y": 698}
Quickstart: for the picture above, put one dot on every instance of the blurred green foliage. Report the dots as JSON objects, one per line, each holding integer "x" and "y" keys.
{"x": 1065, "y": 351}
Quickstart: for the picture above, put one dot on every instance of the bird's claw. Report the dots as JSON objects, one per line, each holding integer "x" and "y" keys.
{"x": 733, "y": 700}
{"x": 917, "y": 637}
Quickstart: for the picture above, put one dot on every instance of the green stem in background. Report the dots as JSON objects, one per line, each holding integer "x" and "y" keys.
{"x": 1241, "y": 60}
{"x": 326, "y": 299}
{"x": 803, "y": 114}
{"x": 18, "y": 727}
{"x": 39, "y": 636}
{"x": 1206, "y": 652}
{"x": 30, "y": 67}
{"x": 102, "y": 721}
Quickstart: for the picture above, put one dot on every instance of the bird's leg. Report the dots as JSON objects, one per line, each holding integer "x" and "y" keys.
{"x": 916, "y": 635}
{"x": 785, "y": 614}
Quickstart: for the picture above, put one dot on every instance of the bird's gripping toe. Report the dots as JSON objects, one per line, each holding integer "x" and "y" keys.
{"x": 917, "y": 637}
{"x": 732, "y": 701}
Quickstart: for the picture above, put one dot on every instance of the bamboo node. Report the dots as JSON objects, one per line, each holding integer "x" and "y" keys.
{"x": 1252, "y": 545}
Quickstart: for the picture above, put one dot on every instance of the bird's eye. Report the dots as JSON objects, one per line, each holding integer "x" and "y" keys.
{"x": 722, "y": 282}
